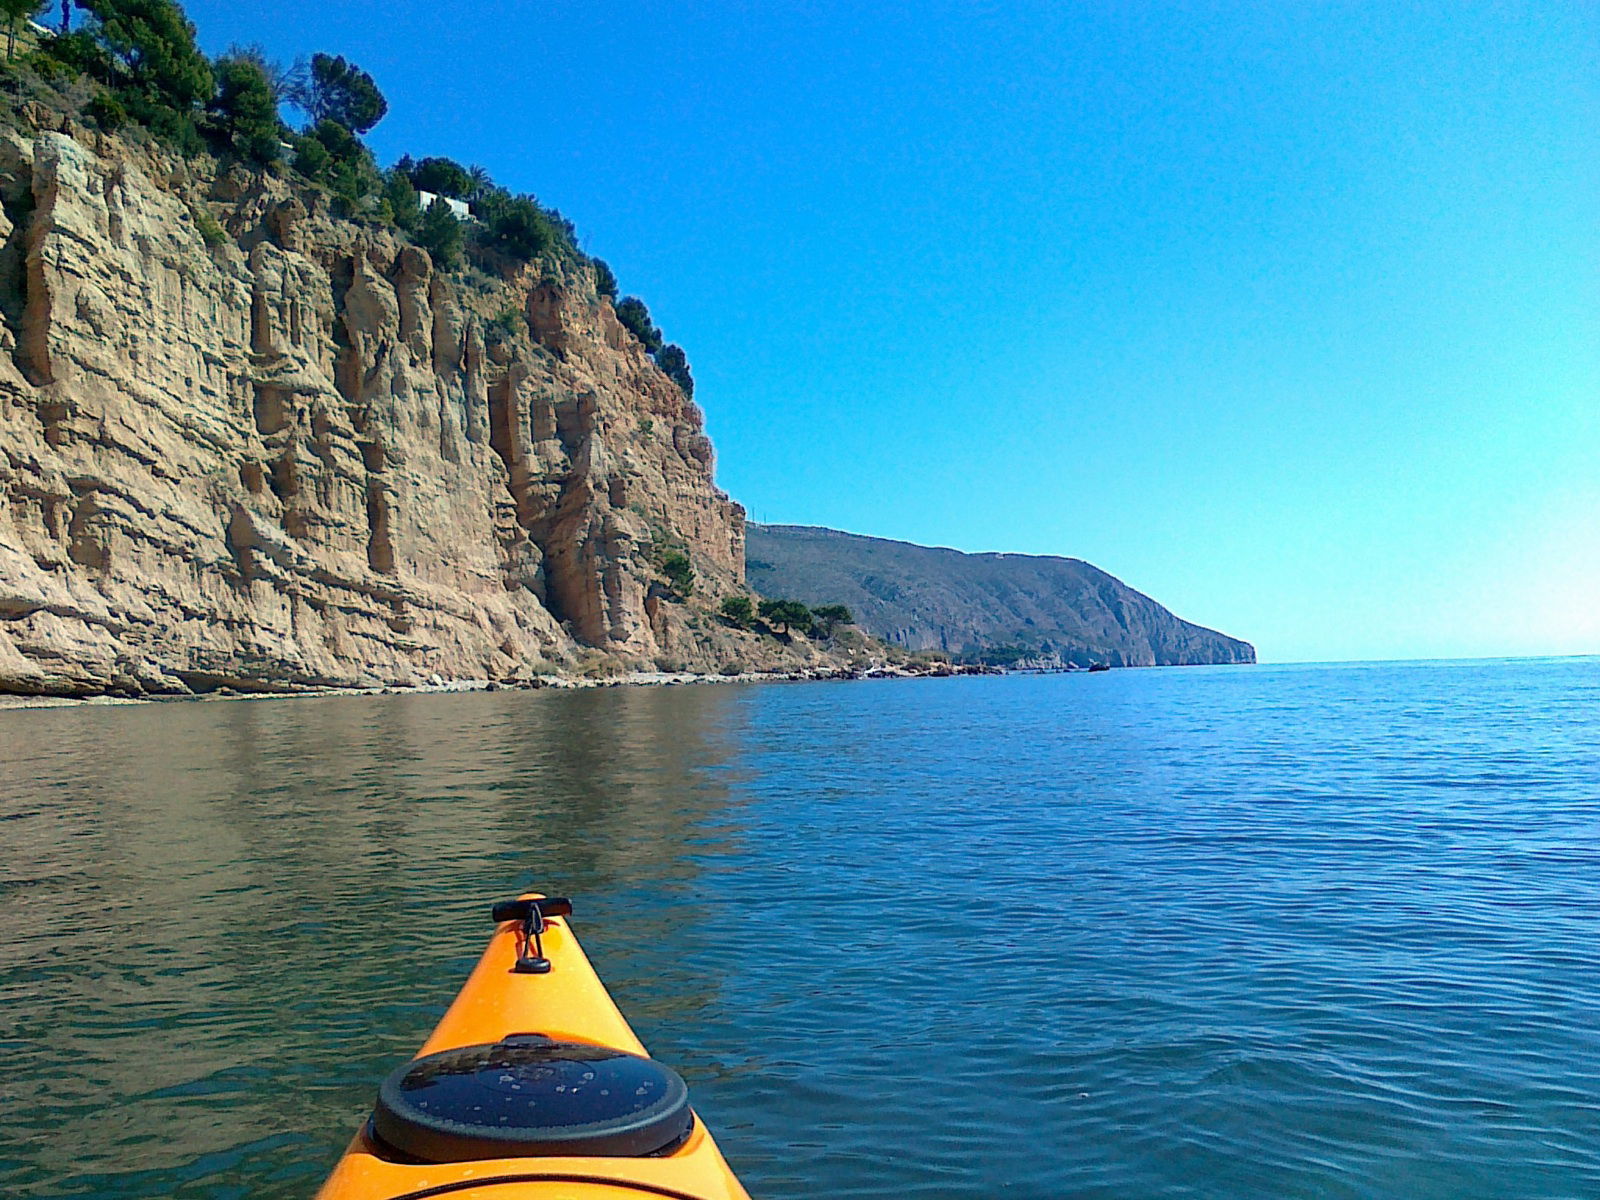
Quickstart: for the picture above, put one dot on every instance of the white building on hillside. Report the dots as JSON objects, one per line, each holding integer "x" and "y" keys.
{"x": 459, "y": 207}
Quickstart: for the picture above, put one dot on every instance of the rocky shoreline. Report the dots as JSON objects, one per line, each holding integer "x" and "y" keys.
{"x": 912, "y": 670}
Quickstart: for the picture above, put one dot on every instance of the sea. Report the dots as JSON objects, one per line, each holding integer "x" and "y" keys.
{"x": 1242, "y": 933}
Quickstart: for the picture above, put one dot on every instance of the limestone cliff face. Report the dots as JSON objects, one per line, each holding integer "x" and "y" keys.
{"x": 298, "y": 455}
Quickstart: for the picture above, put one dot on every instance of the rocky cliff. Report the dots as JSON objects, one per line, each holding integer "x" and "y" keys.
{"x": 244, "y": 443}
{"x": 1007, "y": 608}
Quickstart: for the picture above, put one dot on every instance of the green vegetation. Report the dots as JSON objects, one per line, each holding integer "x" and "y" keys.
{"x": 739, "y": 611}
{"x": 635, "y": 318}
{"x": 672, "y": 360}
{"x": 675, "y": 565}
{"x": 440, "y": 234}
{"x": 831, "y": 616}
{"x": 210, "y": 229}
{"x": 331, "y": 155}
{"x": 144, "y": 52}
{"x": 788, "y": 615}
{"x": 1002, "y": 656}
{"x": 517, "y": 228}
{"x": 311, "y": 158}
{"x": 442, "y": 176}
{"x": 509, "y": 321}
{"x": 405, "y": 207}
{"x": 134, "y": 66}
{"x": 669, "y": 554}
{"x": 151, "y": 49}
{"x": 334, "y": 89}
{"x": 106, "y": 111}
{"x": 244, "y": 111}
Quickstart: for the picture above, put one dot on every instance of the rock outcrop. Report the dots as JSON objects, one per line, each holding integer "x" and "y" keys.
{"x": 244, "y": 443}
{"x": 1014, "y": 609}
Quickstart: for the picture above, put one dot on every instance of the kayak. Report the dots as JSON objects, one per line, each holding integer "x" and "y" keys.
{"x": 533, "y": 1087}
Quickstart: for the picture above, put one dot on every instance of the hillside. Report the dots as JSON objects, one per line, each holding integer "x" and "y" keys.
{"x": 989, "y": 607}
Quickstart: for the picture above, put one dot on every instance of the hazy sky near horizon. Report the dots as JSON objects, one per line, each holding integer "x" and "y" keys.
{"x": 1287, "y": 315}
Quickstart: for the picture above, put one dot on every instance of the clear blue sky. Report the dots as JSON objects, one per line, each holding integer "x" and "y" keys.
{"x": 1286, "y": 314}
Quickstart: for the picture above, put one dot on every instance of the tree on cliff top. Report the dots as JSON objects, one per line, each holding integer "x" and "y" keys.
{"x": 152, "y": 43}
{"x": 332, "y": 88}
{"x": 245, "y": 109}
{"x": 443, "y": 177}
{"x": 635, "y": 318}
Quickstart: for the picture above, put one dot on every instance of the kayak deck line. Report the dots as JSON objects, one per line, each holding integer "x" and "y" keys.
{"x": 532, "y": 1087}
{"x": 446, "y": 1189}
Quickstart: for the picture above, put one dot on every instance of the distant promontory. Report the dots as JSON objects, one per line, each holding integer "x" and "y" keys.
{"x": 1004, "y": 609}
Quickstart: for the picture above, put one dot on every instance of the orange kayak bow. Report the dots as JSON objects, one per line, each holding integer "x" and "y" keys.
{"x": 533, "y": 1087}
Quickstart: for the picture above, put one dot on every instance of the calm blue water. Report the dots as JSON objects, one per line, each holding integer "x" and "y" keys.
{"x": 1235, "y": 933}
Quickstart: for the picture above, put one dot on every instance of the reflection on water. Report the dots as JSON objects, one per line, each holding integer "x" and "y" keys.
{"x": 221, "y": 924}
{"x": 1222, "y": 934}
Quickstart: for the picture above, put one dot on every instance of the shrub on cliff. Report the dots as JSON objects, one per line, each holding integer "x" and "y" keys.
{"x": 739, "y": 611}
{"x": 331, "y": 155}
{"x": 209, "y": 227}
{"x": 605, "y": 283}
{"x": 106, "y": 111}
{"x": 830, "y": 616}
{"x": 78, "y": 53}
{"x": 635, "y": 318}
{"x": 787, "y": 614}
{"x": 508, "y": 322}
{"x": 171, "y": 126}
{"x": 672, "y": 360}
{"x": 440, "y": 234}
{"x": 311, "y": 157}
{"x": 405, "y": 209}
{"x": 515, "y": 226}
{"x": 679, "y": 571}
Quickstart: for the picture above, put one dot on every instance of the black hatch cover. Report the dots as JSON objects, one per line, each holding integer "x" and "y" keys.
{"x": 528, "y": 1095}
